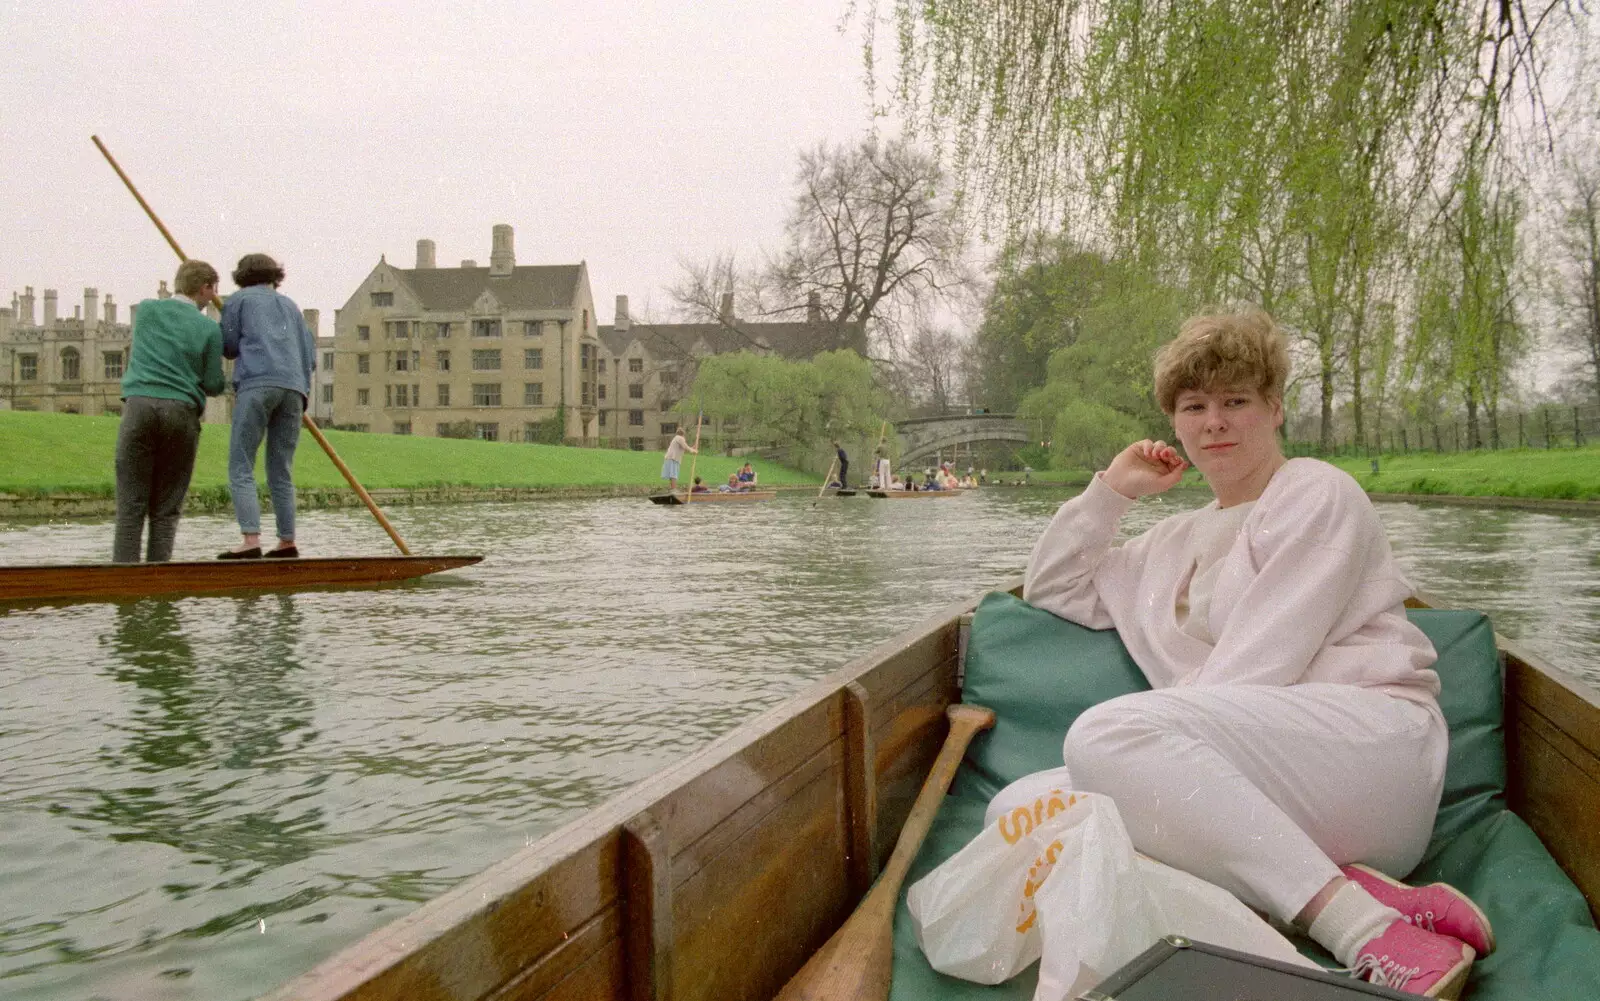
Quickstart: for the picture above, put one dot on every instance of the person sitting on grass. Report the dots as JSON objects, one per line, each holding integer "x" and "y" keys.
{"x": 1292, "y": 737}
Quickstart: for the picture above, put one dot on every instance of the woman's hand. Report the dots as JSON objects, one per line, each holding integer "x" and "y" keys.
{"x": 1144, "y": 468}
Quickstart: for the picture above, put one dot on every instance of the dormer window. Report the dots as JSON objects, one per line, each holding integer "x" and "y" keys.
{"x": 486, "y": 328}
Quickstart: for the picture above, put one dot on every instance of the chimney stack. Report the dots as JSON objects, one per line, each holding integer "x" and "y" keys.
{"x": 469, "y": 264}
{"x": 622, "y": 321}
{"x": 91, "y": 307}
{"x": 25, "y": 307}
{"x": 133, "y": 314}
{"x": 313, "y": 321}
{"x": 726, "y": 314}
{"x": 111, "y": 310}
{"x": 425, "y": 260}
{"x": 502, "y": 258}
{"x": 813, "y": 307}
{"x": 49, "y": 307}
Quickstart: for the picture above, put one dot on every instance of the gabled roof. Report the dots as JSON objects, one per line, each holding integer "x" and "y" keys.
{"x": 553, "y": 286}
{"x": 797, "y": 341}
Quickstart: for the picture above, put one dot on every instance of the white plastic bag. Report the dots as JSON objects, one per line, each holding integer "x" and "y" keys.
{"x": 1061, "y": 878}
{"x": 974, "y": 915}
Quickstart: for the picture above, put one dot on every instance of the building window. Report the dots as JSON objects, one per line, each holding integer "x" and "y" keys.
{"x": 69, "y": 365}
{"x": 486, "y": 328}
{"x": 383, "y": 298}
{"x": 532, "y": 328}
{"x": 402, "y": 361}
{"x": 327, "y": 393}
{"x": 637, "y": 444}
{"x": 533, "y": 358}
{"x": 486, "y": 432}
{"x": 327, "y": 361}
{"x": 363, "y": 364}
{"x": 533, "y": 394}
{"x": 442, "y": 358}
{"x": 636, "y": 418}
{"x": 636, "y": 364}
{"x": 486, "y": 360}
{"x": 402, "y": 395}
{"x": 443, "y": 431}
{"x": 441, "y": 330}
{"x": 400, "y": 330}
{"x": 669, "y": 427}
{"x": 363, "y": 333}
{"x": 363, "y": 397}
{"x": 601, "y": 366}
{"x": 600, "y": 420}
{"x": 113, "y": 360}
{"x": 444, "y": 394}
{"x": 600, "y": 391}
{"x": 585, "y": 352}
{"x": 486, "y": 394}
{"x": 585, "y": 401}
{"x": 530, "y": 431}
{"x": 402, "y": 427}
{"x": 27, "y": 367}
{"x": 635, "y": 390}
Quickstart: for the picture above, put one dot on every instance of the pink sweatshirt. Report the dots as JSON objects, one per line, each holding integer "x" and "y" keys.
{"x": 1309, "y": 592}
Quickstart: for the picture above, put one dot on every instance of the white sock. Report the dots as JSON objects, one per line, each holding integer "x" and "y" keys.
{"x": 1349, "y": 921}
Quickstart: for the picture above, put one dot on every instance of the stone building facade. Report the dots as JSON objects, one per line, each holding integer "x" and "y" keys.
{"x": 63, "y": 364}
{"x": 74, "y": 365}
{"x": 494, "y": 353}
{"x": 648, "y": 368}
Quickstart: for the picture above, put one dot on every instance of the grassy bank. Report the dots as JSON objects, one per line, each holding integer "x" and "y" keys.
{"x": 1546, "y": 474}
{"x": 1538, "y": 474}
{"x": 65, "y": 453}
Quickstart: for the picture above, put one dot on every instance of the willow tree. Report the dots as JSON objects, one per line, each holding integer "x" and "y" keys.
{"x": 1286, "y": 151}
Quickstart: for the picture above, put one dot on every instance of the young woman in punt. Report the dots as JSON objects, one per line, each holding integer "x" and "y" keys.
{"x": 1293, "y": 735}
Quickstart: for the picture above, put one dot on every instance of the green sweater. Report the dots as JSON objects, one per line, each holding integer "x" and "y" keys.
{"x": 177, "y": 353}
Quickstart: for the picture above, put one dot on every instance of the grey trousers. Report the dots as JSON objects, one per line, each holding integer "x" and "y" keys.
{"x": 156, "y": 445}
{"x": 273, "y": 413}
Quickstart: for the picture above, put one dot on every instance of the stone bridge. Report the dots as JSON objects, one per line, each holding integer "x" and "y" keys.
{"x": 922, "y": 438}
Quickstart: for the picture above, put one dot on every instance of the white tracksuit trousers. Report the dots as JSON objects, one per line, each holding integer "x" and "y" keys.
{"x": 1263, "y": 790}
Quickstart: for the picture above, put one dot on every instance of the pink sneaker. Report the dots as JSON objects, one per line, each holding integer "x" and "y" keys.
{"x": 1437, "y": 907}
{"x": 1415, "y": 961}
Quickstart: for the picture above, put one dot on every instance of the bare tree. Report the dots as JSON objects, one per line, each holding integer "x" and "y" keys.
{"x": 869, "y": 233}
{"x": 1580, "y": 268}
{"x": 935, "y": 359}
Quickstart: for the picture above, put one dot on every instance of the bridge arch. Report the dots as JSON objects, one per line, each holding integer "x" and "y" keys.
{"x": 922, "y": 438}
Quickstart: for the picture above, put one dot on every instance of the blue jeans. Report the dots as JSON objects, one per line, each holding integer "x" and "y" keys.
{"x": 275, "y": 413}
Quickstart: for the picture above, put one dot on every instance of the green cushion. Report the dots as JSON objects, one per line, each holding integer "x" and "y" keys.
{"x": 1039, "y": 673}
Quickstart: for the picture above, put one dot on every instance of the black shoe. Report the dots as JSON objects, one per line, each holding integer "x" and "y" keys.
{"x": 253, "y": 553}
{"x": 286, "y": 553}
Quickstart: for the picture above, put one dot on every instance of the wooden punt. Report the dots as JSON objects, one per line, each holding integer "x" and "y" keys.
{"x": 110, "y": 581}
{"x": 719, "y": 876}
{"x": 910, "y": 494}
{"x": 714, "y": 497}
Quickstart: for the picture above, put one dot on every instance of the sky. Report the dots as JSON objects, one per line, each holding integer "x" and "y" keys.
{"x": 631, "y": 135}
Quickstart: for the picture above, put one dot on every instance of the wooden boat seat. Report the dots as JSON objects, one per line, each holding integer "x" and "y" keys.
{"x": 1039, "y": 672}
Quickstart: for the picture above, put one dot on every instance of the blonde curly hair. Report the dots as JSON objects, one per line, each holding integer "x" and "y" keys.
{"x": 1242, "y": 349}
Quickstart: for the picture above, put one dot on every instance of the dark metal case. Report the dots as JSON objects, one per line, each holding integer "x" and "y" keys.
{"x": 1179, "y": 968}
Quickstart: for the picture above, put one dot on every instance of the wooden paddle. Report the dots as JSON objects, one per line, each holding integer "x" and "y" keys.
{"x": 825, "y": 480}
{"x": 688, "y": 488}
{"x": 305, "y": 418}
{"x": 856, "y": 963}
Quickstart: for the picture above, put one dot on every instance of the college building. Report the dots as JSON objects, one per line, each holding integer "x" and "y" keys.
{"x": 499, "y": 352}
{"x": 494, "y": 353}
{"x": 648, "y": 368}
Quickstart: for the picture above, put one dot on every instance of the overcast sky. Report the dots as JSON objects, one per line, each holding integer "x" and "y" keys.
{"x": 626, "y": 134}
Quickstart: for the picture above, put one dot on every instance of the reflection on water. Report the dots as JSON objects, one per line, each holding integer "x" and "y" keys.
{"x": 205, "y": 796}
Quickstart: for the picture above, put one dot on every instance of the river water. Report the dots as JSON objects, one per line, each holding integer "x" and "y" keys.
{"x": 203, "y": 797}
